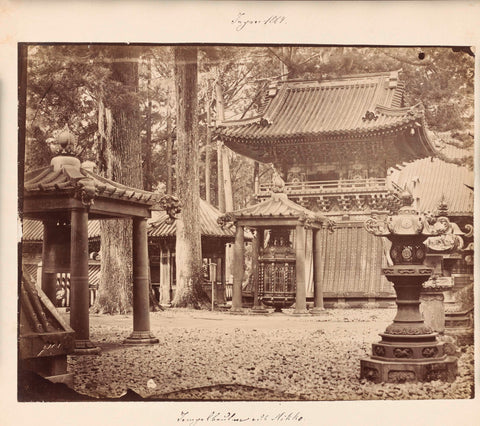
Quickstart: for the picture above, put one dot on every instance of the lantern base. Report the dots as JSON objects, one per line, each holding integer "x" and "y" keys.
{"x": 409, "y": 358}
{"x": 141, "y": 338}
{"x": 379, "y": 371}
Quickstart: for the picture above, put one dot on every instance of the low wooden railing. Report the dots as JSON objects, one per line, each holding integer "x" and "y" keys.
{"x": 330, "y": 186}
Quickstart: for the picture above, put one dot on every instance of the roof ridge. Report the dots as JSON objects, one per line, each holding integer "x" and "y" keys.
{"x": 393, "y": 73}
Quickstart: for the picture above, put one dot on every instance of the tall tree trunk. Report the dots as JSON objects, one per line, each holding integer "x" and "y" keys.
{"x": 208, "y": 160}
{"x": 220, "y": 185}
{"x": 169, "y": 159}
{"x": 121, "y": 160}
{"x": 189, "y": 291}
{"x": 227, "y": 180}
{"x": 148, "y": 139}
{"x": 224, "y": 162}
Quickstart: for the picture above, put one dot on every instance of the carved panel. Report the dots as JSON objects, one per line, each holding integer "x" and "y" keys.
{"x": 396, "y": 329}
{"x": 379, "y": 350}
{"x": 430, "y": 352}
{"x": 437, "y": 372}
{"x": 396, "y": 376}
{"x": 403, "y": 353}
{"x": 370, "y": 373}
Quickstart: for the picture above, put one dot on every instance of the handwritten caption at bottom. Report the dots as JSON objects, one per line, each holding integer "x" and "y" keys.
{"x": 190, "y": 419}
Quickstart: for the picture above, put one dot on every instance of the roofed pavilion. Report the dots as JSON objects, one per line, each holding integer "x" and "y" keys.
{"x": 280, "y": 226}
{"x": 64, "y": 196}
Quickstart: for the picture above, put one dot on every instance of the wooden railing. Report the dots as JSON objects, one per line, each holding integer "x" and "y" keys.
{"x": 63, "y": 290}
{"x": 330, "y": 186}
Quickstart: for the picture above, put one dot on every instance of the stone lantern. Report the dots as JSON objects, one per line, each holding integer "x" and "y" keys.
{"x": 409, "y": 350}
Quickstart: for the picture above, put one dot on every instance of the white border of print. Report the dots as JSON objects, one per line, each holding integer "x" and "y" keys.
{"x": 369, "y": 23}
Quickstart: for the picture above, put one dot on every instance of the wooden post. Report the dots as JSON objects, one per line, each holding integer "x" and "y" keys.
{"x": 318, "y": 248}
{"x": 141, "y": 307}
{"x": 79, "y": 293}
{"x": 300, "y": 291}
{"x": 238, "y": 259}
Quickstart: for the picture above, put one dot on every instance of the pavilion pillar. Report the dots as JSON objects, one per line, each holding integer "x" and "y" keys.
{"x": 79, "y": 291}
{"x": 257, "y": 306}
{"x": 141, "y": 303}
{"x": 165, "y": 284}
{"x": 49, "y": 273}
{"x": 318, "y": 247}
{"x": 238, "y": 259}
{"x": 300, "y": 291}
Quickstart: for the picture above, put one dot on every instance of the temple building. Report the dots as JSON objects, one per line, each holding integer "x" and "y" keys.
{"x": 343, "y": 147}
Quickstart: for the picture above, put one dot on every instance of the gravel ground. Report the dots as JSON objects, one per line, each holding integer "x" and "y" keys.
{"x": 219, "y": 356}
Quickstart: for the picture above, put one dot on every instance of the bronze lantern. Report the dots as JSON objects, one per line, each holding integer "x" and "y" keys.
{"x": 409, "y": 350}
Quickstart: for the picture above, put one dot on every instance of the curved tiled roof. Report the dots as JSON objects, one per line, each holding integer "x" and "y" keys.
{"x": 278, "y": 206}
{"x": 327, "y": 108}
{"x": 430, "y": 180}
{"x": 67, "y": 175}
{"x": 160, "y": 226}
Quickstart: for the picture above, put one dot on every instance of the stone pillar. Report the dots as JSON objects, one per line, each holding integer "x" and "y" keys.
{"x": 238, "y": 259}
{"x": 79, "y": 291}
{"x": 141, "y": 303}
{"x": 49, "y": 272}
{"x": 318, "y": 247}
{"x": 300, "y": 291}
{"x": 433, "y": 310}
{"x": 220, "y": 284}
{"x": 257, "y": 306}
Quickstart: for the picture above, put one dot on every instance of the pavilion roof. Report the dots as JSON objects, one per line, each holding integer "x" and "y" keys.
{"x": 71, "y": 177}
{"x": 161, "y": 226}
{"x": 432, "y": 181}
{"x": 278, "y": 206}
{"x": 348, "y": 107}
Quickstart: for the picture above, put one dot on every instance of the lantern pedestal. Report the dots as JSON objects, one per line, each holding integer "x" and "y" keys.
{"x": 409, "y": 350}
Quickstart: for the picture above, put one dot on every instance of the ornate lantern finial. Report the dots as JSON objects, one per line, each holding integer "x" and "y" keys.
{"x": 443, "y": 206}
{"x": 66, "y": 141}
{"x": 278, "y": 184}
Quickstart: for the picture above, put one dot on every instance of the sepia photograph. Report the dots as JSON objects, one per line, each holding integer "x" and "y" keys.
{"x": 238, "y": 222}
{"x": 226, "y": 212}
